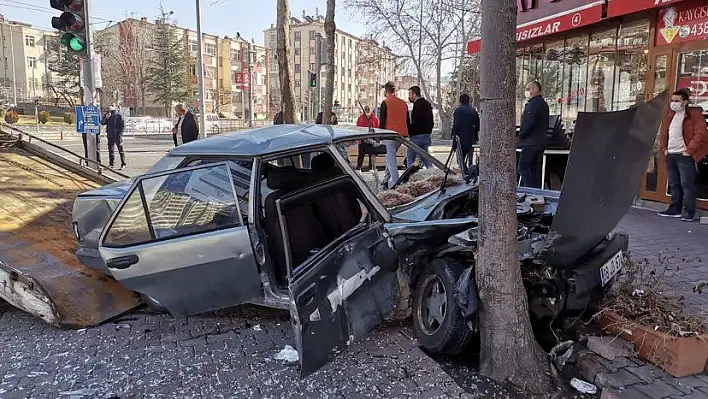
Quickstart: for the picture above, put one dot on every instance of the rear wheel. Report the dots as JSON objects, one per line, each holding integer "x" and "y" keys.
{"x": 437, "y": 321}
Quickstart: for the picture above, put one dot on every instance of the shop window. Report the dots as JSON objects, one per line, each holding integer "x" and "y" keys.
{"x": 660, "y": 70}
{"x": 651, "y": 177}
{"x": 632, "y": 65}
{"x": 601, "y": 70}
{"x": 551, "y": 77}
{"x": 575, "y": 71}
{"x": 522, "y": 78}
{"x": 692, "y": 73}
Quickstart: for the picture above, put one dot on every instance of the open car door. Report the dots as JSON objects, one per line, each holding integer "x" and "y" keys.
{"x": 345, "y": 288}
{"x": 179, "y": 238}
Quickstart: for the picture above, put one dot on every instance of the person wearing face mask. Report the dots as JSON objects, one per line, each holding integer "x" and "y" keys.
{"x": 532, "y": 135}
{"x": 683, "y": 141}
{"x": 186, "y": 125}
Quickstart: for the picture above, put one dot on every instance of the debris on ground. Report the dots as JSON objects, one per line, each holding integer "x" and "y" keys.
{"x": 610, "y": 347}
{"x": 583, "y": 386}
{"x": 288, "y": 354}
{"x": 257, "y": 327}
{"x": 561, "y": 353}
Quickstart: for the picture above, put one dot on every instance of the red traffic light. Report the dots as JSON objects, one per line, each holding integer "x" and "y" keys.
{"x": 68, "y": 22}
{"x": 73, "y": 5}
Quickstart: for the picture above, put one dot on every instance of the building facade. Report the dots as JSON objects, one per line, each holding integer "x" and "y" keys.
{"x": 607, "y": 55}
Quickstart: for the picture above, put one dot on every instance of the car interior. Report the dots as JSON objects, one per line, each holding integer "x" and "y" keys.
{"x": 322, "y": 204}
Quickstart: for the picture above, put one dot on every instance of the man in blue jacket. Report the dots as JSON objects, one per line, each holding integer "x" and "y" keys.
{"x": 532, "y": 136}
{"x": 465, "y": 125}
{"x": 113, "y": 121}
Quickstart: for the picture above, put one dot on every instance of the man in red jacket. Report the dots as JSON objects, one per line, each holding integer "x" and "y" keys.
{"x": 367, "y": 119}
{"x": 684, "y": 141}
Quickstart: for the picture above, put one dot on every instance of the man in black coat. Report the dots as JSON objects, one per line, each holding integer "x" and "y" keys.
{"x": 186, "y": 125}
{"x": 465, "y": 126}
{"x": 421, "y": 125}
{"x": 113, "y": 121}
{"x": 532, "y": 136}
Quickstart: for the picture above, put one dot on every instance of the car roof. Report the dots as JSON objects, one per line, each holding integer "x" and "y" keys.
{"x": 273, "y": 139}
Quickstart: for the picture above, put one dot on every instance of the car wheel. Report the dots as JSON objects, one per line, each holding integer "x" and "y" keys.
{"x": 437, "y": 321}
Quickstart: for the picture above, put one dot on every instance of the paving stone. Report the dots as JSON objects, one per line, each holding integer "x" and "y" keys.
{"x": 648, "y": 373}
{"x": 589, "y": 365}
{"x": 695, "y": 395}
{"x": 659, "y": 389}
{"x": 686, "y": 384}
{"x": 619, "y": 379}
{"x": 610, "y": 347}
{"x": 627, "y": 393}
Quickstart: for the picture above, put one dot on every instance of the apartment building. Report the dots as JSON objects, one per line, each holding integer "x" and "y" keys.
{"x": 351, "y": 80}
{"x": 235, "y": 81}
{"x": 24, "y": 72}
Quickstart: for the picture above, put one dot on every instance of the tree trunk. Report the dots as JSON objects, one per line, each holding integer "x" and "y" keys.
{"x": 287, "y": 99}
{"x": 330, "y": 29}
{"x": 509, "y": 351}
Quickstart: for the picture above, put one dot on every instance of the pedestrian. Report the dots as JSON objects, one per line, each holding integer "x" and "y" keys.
{"x": 683, "y": 141}
{"x": 367, "y": 147}
{"x": 465, "y": 126}
{"x": 421, "y": 125}
{"x": 278, "y": 119}
{"x": 394, "y": 116}
{"x": 532, "y": 135}
{"x": 113, "y": 121}
{"x": 186, "y": 125}
{"x": 332, "y": 119}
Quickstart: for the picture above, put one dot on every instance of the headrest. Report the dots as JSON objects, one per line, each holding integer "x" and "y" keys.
{"x": 285, "y": 177}
{"x": 322, "y": 163}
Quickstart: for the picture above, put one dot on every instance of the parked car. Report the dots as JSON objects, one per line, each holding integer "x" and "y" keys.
{"x": 233, "y": 219}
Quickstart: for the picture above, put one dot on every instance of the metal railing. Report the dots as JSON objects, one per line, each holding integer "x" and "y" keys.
{"x": 68, "y": 155}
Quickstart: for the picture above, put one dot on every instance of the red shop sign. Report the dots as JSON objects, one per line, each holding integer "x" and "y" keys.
{"x": 698, "y": 86}
{"x": 616, "y": 8}
{"x": 567, "y": 20}
{"x": 684, "y": 22}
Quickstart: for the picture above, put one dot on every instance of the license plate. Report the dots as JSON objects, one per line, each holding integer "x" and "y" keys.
{"x": 611, "y": 268}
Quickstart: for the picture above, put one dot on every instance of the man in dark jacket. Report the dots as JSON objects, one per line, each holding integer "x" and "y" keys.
{"x": 421, "y": 125}
{"x": 532, "y": 136}
{"x": 113, "y": 121}
{"x": 278, "y": 118}
{"x": 465, "y": 126}
{"x": 186, "y": 125}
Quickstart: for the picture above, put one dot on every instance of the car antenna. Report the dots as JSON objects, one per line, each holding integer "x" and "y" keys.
{"x": 368, "y": 120}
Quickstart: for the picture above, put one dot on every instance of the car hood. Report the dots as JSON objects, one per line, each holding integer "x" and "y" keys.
{"x": 113, "y": 190}
{"x": 607, "y": 160}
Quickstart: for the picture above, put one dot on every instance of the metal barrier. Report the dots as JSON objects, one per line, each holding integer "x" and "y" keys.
{"x": 81, "y": 163}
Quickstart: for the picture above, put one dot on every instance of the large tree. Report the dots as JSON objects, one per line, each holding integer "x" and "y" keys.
{"x": 283, "y": 55}
{"x": 65, "y": 68}
{"x": 330, "y": 39}
{"x": 509, "y": 351}
{"x": 168, "y": 79}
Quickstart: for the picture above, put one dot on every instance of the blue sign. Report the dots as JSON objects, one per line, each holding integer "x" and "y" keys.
{"x": 88, "y": 120}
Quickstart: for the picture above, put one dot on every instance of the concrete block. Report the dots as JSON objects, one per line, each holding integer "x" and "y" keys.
{"x": 704, "y": 220}
{"x": 610, "y": 347}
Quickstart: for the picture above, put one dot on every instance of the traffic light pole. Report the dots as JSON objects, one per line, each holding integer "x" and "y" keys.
{"x": 200, "y": 71}
{"x": 89, "y": 84}
{"x": 250, "y": 84}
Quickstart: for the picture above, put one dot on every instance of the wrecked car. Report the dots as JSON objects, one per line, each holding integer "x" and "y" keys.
{"x": 234, "y": 219}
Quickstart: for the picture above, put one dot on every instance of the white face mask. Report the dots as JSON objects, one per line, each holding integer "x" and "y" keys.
{"x": 527, "y": 94}
{"x": 676, "y": 107}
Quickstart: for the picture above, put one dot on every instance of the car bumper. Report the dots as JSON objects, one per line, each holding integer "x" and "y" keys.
{"x": 583, "y": 278}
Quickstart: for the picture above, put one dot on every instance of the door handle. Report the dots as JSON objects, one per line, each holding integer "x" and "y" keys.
{"x": 122, "y": 262}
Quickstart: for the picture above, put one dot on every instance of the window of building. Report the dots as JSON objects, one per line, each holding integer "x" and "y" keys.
{"x": 193, "y": 70}
{"x": 193, "y": 45}
{"x": 601, "y": 71}
{"x": 312, "y": 35}
{"x": 235, "y": 54}
{"x": 210, "y": 72}
{"x": 575, "y": 71}
{"x": 210, "y": 48}
{"x": 31, "y": 62}
{"x": 297, "y": 68}
{"x": 632, "y": 65}
{"x": 297, "y": 52}
{"x": 29, "y": 41}
{"x": 297, "y": 36}
{"x": 297, "y": 83}
{"x": 551, "y": 78}
{"x": 312, "y": 67}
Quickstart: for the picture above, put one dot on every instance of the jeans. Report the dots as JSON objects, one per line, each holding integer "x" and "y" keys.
{"x": 422, "y": 141}
{"x": 682, "y": 183}
{"x": 528, "y": 166}
{"x": 391, "y": 176}
{"x": 117, "y": 142}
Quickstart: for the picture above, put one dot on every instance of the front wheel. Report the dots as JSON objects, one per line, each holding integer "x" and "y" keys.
{"x": 437, "y": 321}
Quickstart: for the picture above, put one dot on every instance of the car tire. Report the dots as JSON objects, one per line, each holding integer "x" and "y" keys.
{"x": 446, "y": 332}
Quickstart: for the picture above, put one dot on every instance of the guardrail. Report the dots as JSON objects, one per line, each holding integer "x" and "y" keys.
{"x": 72, "y": 160}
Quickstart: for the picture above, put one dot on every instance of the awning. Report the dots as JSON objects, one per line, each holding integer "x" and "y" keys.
{"x": 616, "y": 8}
{"x": 561, "y": 22}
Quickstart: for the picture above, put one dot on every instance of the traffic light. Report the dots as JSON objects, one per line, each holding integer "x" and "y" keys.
{"x": 313, "y": 79}
{"x": 336, "y": 104}
{"x": 72, "y": 22}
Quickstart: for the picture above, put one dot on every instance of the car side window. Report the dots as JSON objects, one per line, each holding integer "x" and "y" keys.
{"x": 177, "y": 204}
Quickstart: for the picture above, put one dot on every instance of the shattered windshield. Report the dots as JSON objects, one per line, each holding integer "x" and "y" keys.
{"x": 424, "y": 175}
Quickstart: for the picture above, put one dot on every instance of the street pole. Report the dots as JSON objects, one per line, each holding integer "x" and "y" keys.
{"x": 420, "y": 43}
{"x": 250, "y": 84}
{"x": 318, "y": 57}
{"x": 200, "y": 71}
{"x": 91, "y": 139}
{"x": 14, "y": 78}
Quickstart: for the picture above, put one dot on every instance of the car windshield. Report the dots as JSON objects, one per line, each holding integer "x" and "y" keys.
{"x": 423, "y": 176}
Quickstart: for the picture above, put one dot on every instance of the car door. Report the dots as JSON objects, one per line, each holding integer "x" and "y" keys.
{"x": 344, "y": 290}
{"x": 179, "y": 237}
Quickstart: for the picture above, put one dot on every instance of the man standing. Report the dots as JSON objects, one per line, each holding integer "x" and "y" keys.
{"x": 186, "y": 125}
{"x": 113, "y": 121}
{"x": 421, "y": 125}
{"x": 532, "y": 136}
{"x": 465, "y": 125}
{"x": 394, "y": 116}
{"x": 684, "y": 141}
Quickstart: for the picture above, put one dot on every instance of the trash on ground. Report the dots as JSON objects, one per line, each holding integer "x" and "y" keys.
{"x": 561, "y": 353}
{"x": 257, "y": 327}
{"x": 289, "y": 354}
{"x": 583, "y": 386}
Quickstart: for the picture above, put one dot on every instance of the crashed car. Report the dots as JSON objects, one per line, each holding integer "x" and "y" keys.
{"x": 234, "y": 219}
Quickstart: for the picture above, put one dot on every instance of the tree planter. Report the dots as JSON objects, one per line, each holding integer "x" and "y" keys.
{"x": 678, "y": 356}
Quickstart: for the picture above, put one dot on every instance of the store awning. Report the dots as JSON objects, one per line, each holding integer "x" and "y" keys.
{"x": 561, "y": 22}
{"x": 615, "y": 8}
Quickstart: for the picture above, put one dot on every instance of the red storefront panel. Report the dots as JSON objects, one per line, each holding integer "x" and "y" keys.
{"x": 616, "y": 8}
{"x": 698, "y": 86}
{"x": 551, "y": 24}
{"x": 686, "y": 21}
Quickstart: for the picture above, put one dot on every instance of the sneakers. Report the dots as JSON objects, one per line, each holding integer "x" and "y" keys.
{"x": 687, "y": 218}
{"x": 122, "y": 166}
{"x": 669, "y": 214}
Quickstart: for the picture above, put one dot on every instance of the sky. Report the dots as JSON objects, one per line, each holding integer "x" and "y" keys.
{"x": 219, "y": 17}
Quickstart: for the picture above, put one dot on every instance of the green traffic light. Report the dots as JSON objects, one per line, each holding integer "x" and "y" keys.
{"x": 76, "y": 44}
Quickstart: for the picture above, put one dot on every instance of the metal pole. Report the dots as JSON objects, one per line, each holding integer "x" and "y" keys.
{"x": 250, "y": 84}
{"x": 14, "y": 78}
{"x": 36, "y": 114}
{"x": 200, "y": 71}
{"x": 91, "y": 139}
{"x": 420, "y": 42}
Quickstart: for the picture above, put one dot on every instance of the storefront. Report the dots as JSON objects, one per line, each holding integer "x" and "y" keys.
{"x": 608, "y": 55}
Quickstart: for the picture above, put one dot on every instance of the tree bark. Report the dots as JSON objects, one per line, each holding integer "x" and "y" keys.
{"x": 330, "y": 30}
{"x": 287, "y": 99}
{"x": 509, "y": 351}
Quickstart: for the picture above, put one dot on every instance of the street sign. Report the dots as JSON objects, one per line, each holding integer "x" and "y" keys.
{"x": 88, "y": 119}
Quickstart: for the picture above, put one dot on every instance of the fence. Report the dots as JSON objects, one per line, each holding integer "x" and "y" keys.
{"x": 136, "y": 126}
